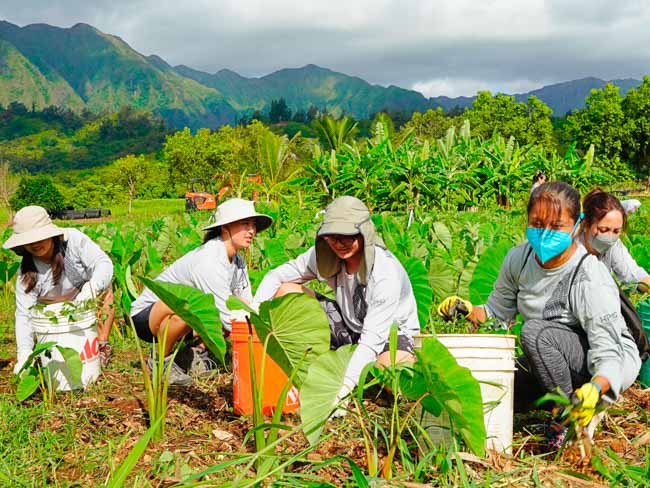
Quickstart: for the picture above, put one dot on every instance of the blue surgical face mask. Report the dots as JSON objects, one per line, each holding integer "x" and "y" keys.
{"x": 548, "y": 243}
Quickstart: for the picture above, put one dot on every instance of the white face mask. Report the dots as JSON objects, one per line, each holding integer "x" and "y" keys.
{"x": 602, "y": 242}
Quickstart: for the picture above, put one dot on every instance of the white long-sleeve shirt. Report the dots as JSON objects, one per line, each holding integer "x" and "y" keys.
{"x": 84, "y": 261}
{"x": 208, "y": 269}
{"x": 389, "y": 297}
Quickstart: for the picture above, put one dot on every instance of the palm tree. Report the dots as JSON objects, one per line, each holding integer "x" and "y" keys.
{"x": 334, "y": 133}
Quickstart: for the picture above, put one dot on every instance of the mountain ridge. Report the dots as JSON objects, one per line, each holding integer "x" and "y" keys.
{"x": 81, "y": 67}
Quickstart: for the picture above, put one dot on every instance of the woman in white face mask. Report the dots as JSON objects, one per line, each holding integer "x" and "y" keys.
{"x": 604, "y": 221}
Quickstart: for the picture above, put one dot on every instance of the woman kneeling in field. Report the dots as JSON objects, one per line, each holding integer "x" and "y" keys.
{"x": 574, "y": 336}
{"x": 57, "y": 265}
{"x": 605, "y": 221}
{"x": 372, "y": 290}
{"x": 215, "y": 267}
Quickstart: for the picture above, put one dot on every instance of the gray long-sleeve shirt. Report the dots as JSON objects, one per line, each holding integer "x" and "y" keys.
{"x": 83, "y": 261}
{"x": 208, "y": 269}
{"x": 592, "y": 304}
{"x": 389, "y": 296}
{"x": 620, "y": 262}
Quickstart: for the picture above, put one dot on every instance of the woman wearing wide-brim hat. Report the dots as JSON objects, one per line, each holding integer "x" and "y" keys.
{"x": 214, "y": 267}
{"x": 58, "y": 264}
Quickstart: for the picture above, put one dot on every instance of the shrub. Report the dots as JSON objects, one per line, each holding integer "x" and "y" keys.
{"x": 37, "y": 190}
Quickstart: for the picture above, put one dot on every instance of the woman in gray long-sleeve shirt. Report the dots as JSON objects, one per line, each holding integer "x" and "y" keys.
{"x": 605, "y": 221}
{"x": 57, "y": 264}
{"x": 574, "y": 336}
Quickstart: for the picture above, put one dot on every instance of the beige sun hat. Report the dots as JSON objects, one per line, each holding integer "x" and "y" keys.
{"x": 238, "y": 209}
{"x": 31, "y": 224}
{"x": 347, "y": 216}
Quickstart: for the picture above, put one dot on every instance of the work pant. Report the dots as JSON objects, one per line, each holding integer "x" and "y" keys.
{"x": 555, "y": 355}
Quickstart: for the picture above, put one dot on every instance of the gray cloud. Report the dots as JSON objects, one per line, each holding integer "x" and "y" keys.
{"x": 436, "y": 46}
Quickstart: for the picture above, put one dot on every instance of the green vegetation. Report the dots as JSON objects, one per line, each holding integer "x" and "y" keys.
{"x": 85, "y": 436}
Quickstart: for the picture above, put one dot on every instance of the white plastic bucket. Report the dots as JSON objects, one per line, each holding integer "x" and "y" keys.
{"x": 79, "y": 334}
{"x": 491, "y": 359}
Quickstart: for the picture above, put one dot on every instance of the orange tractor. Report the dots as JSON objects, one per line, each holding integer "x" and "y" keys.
{"x": 203, "y": 200}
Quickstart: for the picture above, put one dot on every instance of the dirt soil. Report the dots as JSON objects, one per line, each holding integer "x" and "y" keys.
{"x": 202, "y": 430}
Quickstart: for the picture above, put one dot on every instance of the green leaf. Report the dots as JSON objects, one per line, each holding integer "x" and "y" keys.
{"x": 39, "y": 348}
{"x": 320, "y": 388}
{"x": 26, "y": 388}
{"x": 441, "y": 278}
{"x": 421, "y": 289}
{"x": 196, "y": 308}
{"x": 486, "y": 272}
{"x": 449, "y": 386}
{"x": 443, "y": 235}
{"x": 295, "y": 323}
{"x": 73, "y": 362}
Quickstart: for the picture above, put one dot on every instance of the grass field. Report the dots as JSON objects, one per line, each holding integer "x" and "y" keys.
{"x": 81, "y": 439}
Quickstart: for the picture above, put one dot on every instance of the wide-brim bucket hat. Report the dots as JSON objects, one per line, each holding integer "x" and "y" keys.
{"x": 31, "y": 224}
{"x": 239, "y": 209}
{"x": 347, "y": 216}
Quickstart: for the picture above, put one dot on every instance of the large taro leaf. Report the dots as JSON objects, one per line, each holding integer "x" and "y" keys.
{"x": 73, "y": 362}
{"x": 196, "y": 308}
{"x": 441, "y": 232}
{"x": 295, "y": 323}
{"x": 442, "y": 278}
{"x": 421, "y": 288}
{"x": 450, "y": 387}
{"x": 486, "y": 272}
{"x": 320, "y": 388}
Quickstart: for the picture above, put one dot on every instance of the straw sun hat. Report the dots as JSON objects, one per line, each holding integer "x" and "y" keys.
{"x": 31, "y": 224}
{"x": 238, "y": 209}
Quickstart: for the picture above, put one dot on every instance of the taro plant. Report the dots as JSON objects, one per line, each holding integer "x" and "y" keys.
{"x": 33, "y": 374}
{"x": 293, "y": 330}
{"x": 198, "y": 311}
{"x": 435, "y": 383}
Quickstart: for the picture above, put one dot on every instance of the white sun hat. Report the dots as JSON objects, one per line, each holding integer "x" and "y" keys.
{"x": 31, "y": 224}
{"x": 238, "y": 209}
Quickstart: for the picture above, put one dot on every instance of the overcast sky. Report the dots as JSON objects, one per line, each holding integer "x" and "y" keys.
{"x": 452, "y": 47}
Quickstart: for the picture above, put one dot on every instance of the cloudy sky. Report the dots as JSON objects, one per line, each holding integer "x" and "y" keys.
{"x": 438, "y": 47}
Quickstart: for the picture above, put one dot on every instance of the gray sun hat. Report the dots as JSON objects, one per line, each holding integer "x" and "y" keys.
{"x": 238, "y": 209}
{"x": 347, "y": 216}
{"x": 31, "y": 224}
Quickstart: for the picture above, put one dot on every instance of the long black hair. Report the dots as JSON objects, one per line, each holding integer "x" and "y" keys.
{"x": 28, "y": 267}
{"x": 555, "y": 196}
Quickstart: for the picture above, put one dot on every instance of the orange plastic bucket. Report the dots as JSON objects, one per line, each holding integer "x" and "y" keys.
{"x": 274, "y": 378}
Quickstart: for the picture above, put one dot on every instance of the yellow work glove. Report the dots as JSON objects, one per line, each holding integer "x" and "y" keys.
{"x": 452, "y": 306}
{"x": 584, "y": 401}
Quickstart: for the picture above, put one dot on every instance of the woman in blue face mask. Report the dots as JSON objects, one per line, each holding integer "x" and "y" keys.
{"x": 605, "y": 220}
{"x": 574, "y": 336}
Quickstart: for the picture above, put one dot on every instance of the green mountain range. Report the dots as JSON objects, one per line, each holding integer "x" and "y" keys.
{"x": 83, "y": 68}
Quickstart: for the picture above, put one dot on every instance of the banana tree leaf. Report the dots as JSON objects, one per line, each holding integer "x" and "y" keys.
{"x": 421, "y": 289}
{"x": 450, "y": 387}
{"x": 296, "y": 323}
{"x": 486, "y": 272}
{"x": 73, "y": 362}
{"x": 196, "y": 308}
{"x": 320, "y": 388}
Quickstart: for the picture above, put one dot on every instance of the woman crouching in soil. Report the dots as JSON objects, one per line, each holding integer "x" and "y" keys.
{"x": 215, "y": 267}
{"x": 57, "y": 265}
{"x": 574, "y": 336}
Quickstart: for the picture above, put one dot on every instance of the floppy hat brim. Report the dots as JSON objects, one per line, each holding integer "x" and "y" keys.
{"x": 340, "y": 228}
{"x": 262, "y": 222}
{"x": 34, "y": 235}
